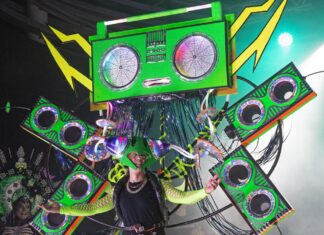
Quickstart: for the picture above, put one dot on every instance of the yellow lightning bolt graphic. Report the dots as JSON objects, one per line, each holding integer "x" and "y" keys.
{"x": 68, "y": 71}
{"x": 262, "y": 40}
{"x": 242, "y": 18}
{"x": 73, "y": 37}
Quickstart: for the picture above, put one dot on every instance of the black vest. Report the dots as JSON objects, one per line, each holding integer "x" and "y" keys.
{"x": 159, "y": 192}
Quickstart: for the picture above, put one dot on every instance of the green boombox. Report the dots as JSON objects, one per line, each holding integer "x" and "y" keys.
{"x": 175, "y": 57}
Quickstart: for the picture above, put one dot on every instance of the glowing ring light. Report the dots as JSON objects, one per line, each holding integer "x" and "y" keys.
{"x": 79, "y": 182}
{"x": 91, "y": 154}
{"x": 54, "y": 220}
{"x": 283, "y": 89}
{"x": 251, "y": 112}
{"x": 69, "y": 138}
{"x": 237, "y": 173}
{"x": 116, "y": 145}
{"x": 159, "y": 148}
{"x": 50, "y": 116}
{"x": 105, "y": 123}
{"x": 205, "y": 148}
{"x": 260, "y": 203}
{"x": 195, "y": 56}
{"x": 119, "y": 67}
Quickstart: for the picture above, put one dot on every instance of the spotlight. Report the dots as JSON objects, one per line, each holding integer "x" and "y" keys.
{"x": 285, "y": 39}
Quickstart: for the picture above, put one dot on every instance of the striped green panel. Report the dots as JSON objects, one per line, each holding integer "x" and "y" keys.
{"x": 62, "y": 197}
{"x": 255, "y": 185}
{"x": 272, "y": 109}
{"x": 52, "y": 134}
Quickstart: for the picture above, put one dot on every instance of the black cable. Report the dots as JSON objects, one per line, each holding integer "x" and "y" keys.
{"x": 47, "y": 169}
{"x": 201, "y": 218}
{"x": 17, "y": 107}
{"x": 168, "y": 226}
{"x": 279, "y": 149}
{"x": 107, "y": 225}
{"x": 278, "y": 228}
{"x": 247, "y": 81}
{"x": 311, "y": 74}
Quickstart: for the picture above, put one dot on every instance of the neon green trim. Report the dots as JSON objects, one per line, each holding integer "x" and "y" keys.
{"x": 180, "y": 197}
{"x": 100, "y": 206}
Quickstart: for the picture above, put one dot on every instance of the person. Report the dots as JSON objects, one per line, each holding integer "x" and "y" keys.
{"x": 17, "y": 220}
{"x": 139, "y": 197}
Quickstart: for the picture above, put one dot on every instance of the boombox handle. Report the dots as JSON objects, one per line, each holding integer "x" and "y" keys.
{"x": 214, "y": 5}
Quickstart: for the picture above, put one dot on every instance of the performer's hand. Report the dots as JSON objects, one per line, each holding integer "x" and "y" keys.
{"x": 212, "y": 184}
{"x": 51, "y": 206}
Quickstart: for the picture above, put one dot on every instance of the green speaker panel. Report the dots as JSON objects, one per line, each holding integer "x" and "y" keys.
{"x": 53, "y": 125}
{"x": 251, "y": 191}
{"x": 274, "y": 99}
{"x": 81, "y": 186}
{"x": 175, "y": 57}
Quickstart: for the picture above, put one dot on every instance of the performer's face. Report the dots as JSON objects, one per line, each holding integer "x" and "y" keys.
{"x": 137, "y": 159}
{"x": 22, "y": 210}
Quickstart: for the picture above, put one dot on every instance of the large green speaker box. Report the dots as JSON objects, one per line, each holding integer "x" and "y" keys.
{"x": 251, "y": 191}
{"x": 81, "y": 186}
{"x": 274, "y": 99}
{"x": 174, "y": 57}
{"x": 55, "y": 126}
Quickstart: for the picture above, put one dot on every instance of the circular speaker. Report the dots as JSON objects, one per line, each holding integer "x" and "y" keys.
{"x": 260, "y": 203}
{"x": 72, "y": 133}
{"x": 195, "y": 56}
{"x": 237, "y": 173}
{"x": 79, "y": 186}
{"x": 119, "y": 67}
{"x": 283, "y": 89}
{"x": 45, "y": 117}
{"x": 54, "y": 220}
{"x": 93, "y": 152}
{"x": 251, "y": 112}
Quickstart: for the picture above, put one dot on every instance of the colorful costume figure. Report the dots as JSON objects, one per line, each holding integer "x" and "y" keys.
{"x": 145, "y": 207}
{"x": 140, "y": 205}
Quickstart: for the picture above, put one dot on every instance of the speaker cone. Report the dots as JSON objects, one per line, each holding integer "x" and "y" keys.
{"x": 119, "y": 67}
{"x": 251, "y": 112}
{"x": 45, "y": 117}
{"x": 195, "y": 56}
{"x": 237, "y": 173}
{"x": 260, "y": 203}
{"x": 72, "y": 133}
{"x": 79, "y": 186}
{"x": 54, "y": 220}
{"x": 283, "y": 89}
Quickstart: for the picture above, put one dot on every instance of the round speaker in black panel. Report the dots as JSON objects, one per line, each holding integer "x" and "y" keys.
{"x": 260, "y": 203}
{"x": 283, "y": 89}
{"x": 72, "y": 133}
{"x": 54, "y": 220}
{"x": 79, "y": 186}
{"x": 195, "y": 56}
{"x": 237, "y": 173}
{"x": 45, "y": 117}
{"x": 251, "y": 112}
